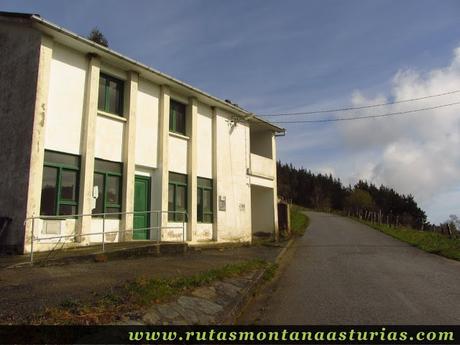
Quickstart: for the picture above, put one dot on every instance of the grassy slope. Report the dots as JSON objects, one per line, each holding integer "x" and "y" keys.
{"x": 299, "y": 220}
{"x": 431, "y": 242}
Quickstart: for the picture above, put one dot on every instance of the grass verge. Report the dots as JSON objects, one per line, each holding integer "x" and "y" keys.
{"x": 138, "y": 294}
{"x": 299, "y": 220}
{"x": 431, "y": 242}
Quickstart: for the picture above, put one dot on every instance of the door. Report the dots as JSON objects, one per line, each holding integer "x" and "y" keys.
{"x": 141, "y": 205}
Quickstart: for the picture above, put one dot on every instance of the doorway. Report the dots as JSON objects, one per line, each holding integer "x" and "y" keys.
{"x": 141, "y": 208}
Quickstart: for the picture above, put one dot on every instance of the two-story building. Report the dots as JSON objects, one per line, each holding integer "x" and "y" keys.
{"x": 95, "y": 145}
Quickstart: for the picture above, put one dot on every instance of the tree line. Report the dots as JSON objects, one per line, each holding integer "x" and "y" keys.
{"x": 364, "y": 199}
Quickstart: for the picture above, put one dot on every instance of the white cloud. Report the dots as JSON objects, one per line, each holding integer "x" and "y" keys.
{"x": 417, "y": 153}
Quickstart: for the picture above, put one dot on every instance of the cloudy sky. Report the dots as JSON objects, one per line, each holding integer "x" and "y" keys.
{"x": 290, "y": 56}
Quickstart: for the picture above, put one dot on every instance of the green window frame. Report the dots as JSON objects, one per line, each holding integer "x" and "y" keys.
{"x": 111, "y": 90}
{"x": 205, "y": 213}
{"x": 177, "y": 197}
{"x": 177, "y": 115}
{"x": 105, "y": 174}
{"x": 58, "y": 196}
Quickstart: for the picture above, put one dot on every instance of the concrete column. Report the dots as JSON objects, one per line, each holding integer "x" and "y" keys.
{"x": 275, "y": 190}
{"x": 88, "y": 143}
{"x": 38, "y": 137}
{"x": 129, "y": 156}
{"x": 163, "y": 166}
{"x": 215, "y": 179}
{"x": 192, "y": 119}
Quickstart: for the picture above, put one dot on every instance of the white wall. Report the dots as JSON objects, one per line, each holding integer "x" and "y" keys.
{"x": 262, "y": 166}
{"x": 234, "y": 224}
{"x": 110, "y": 227}
{"x": 204, "y": 141}
{"x": 261, "y": 143}
{"x": 147, "y": 124}
{"x": 109, "y": 139}
{"x": 177, "y": 154}
{"x": 203, "y": 232}
{"x": 65, "y": 100}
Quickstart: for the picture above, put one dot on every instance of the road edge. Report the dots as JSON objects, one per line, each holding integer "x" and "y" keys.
{"x": 251, "y": 290}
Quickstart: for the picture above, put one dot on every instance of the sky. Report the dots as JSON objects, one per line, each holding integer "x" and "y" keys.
{"x": 289, "y": 56}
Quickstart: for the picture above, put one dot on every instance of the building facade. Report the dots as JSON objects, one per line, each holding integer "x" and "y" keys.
{"x": 95, "y": 143}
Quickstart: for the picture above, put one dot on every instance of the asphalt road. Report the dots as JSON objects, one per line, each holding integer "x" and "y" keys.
{"x": 343, "y": 272}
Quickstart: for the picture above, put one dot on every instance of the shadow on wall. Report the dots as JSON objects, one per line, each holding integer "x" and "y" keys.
{"x": 4, "y": 225}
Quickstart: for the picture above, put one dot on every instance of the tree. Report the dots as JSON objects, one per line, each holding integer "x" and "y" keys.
{"x": 359, "y": 200}
{"x": 96, "y": 36}
{"x": 454, "y": 222}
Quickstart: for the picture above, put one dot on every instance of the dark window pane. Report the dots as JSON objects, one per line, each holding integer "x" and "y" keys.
{"x": 107, "y": 166}
{"x": 181, "y": 201}
{"x": 113, "y": 190}
{"x": 180, "y": 217}
{"x": 199, "y": 205}
{"x": 112, "y": 210}
{"x": 49, "y": 192}
{"x": 62, "y": 159}
{"x": 101, "y": 97}
{"x": 172, "y": 116}
{"x": 207, "y": 200}
{"x": 99, "y": 182}
{"x": 67, "y": 210}
{"x": 69, "y": 185}
{"x": 180, "y": 123}
{"x": 207, "y": 218}
{"x": 115, "y": 94}
{"x": 171, "y": 202}
{"x": 177, "y": 114}
{"x": 177, "y": 178}
{"x": 204, "y": 182}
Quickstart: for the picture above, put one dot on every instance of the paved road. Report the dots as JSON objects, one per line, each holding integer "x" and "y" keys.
{"x": 343, "y": 272}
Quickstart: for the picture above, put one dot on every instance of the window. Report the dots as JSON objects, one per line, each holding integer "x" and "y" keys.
{"x": 177, "y": 117}
{"x": 108, "y": 179}
{"x": 177, "y": 197}
{"x": 110, "y": 94}
{"x": 60, "y": 184}
{"x": 204, "y": 201}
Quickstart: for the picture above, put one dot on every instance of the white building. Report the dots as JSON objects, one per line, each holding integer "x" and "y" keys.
{"x": 85, "y": 130}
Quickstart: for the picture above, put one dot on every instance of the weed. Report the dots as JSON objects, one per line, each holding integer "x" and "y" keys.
{"x": 270, "y": 271}
{"x": 299, "y": 220}
{"x": 142, "y": 292}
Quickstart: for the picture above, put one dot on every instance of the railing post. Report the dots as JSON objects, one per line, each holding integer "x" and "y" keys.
{"x": 103, "y": 232}
{"x": 32, "y": 243}
{"x": 159, "y": 218}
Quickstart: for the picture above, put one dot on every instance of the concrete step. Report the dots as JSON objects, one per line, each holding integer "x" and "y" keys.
{"x": 95, "y": 253}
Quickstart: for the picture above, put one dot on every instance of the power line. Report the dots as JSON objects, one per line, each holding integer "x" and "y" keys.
{"x": 311, "y": 112}
{"x": 369, "y": 116}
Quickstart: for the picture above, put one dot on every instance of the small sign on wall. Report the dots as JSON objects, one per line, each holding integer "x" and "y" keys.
{"x": 222, "y": 203}
{"x": 242, "y": 207}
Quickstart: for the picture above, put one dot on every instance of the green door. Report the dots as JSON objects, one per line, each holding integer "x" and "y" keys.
{"x": 141, "y": 205}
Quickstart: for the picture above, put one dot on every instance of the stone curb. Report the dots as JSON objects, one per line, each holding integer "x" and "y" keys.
{"x": 220, "y": 303}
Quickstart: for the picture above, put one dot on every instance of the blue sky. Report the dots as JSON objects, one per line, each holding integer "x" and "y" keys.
{"x": 278, "y": 56}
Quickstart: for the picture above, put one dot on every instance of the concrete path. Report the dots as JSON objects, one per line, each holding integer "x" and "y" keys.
{"x": 343, "y": 272}
{"x": 28, "y": 290}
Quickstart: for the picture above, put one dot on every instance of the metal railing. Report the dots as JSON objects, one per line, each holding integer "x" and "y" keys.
{"x": 157, "y": 225}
